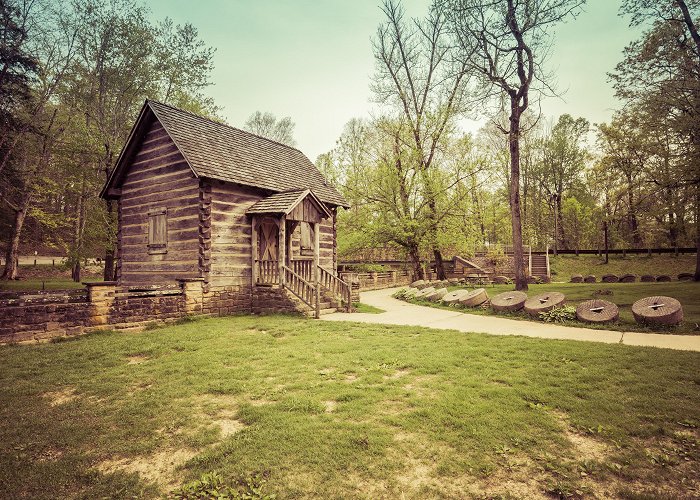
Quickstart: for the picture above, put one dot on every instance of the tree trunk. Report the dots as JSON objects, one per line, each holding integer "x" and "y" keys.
{"x": 696, "y": 277}
{"x": 414, "y": 255}
{"x": 605, "y": 238}
{"x": 439, "y": 264}
{"x": 514, "y": 148}
{"x": 560, "y": 225}
{"x": 12, "y": 253}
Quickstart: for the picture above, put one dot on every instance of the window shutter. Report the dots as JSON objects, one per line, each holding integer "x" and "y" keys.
{"x": 158, "y": 230}
{"x": 307, "y": 239}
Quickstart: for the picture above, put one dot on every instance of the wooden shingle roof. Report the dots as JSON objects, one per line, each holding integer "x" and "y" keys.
{"x": 284, "y": 203}
{"x": 217, "y": 151}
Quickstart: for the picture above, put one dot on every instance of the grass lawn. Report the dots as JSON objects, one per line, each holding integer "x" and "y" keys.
{"x": 622, "y": 294}
{"x": 331, "y": 410}
{"x": 48, "y": 277}
{"x": 40, "y": 284}
{"x": 564, "y": 266}
{"x": 366, "y": 308}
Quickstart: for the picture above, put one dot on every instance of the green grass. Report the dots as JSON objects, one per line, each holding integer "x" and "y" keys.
{"x": 622, "y": 294}
{"x": 40, "y": 284}
{"x": 564, "y": 266}
{"x": 366, "y": 308}
{"x": 341, "y": 410}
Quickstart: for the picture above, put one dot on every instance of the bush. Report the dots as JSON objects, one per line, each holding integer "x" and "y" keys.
{"x": 559, "y": 315}
{"x": 212, "y": 486}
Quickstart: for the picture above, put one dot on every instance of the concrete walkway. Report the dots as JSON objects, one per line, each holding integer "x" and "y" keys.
{"x": 403, "y": 313}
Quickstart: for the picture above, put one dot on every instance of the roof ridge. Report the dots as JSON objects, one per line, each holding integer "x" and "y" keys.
{"x": 225, "y": 125}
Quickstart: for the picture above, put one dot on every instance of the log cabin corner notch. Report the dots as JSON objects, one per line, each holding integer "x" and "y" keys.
{"x": 252, "y": 219}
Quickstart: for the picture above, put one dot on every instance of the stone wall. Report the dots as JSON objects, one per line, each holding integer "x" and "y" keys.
{"x": 273, "y": 299}
{"x": 386, "y": 279}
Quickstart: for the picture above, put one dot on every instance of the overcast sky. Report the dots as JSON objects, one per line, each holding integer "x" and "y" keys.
{"x": 312, "y": 60}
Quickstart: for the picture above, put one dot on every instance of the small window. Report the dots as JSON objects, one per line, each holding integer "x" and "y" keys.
{"x": 158, "y": 231}
{"x": 307, "y": 239}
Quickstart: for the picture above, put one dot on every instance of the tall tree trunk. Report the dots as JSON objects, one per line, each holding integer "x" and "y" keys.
{"x": 696, "y": 277}
{"x": 12, "y": 254}
{"x": 414, "y": 255}
{"x": 560, "y": 225}
{"x": 605, "y": 235}
{"x": 514, "y": 148}
{"x": 78, "y": 235}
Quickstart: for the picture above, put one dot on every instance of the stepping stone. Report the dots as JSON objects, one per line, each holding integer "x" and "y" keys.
{"x": 544, "y": 302}
{"x": 628, "y": 278}
{"x": 474, "y": 298}
{"x": 589, "y": 279}
{"x": 577, "y": 278}
{"x": 659, "y": 310}
{"x": 610, "y": 278}
{"x": 685, "y": 277}
{"x": 509, "y": 301}
{"x": 647, "y": 278}
{"x": 597, "y": 311}
{"x": 663, "y": 278}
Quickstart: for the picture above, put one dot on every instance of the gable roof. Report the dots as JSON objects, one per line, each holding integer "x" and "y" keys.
{"x": 284, "y": 203}
{"x": 217, "y": 151}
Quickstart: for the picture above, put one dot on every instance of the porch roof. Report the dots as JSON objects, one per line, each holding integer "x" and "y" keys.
{"x": 285, "y": 202}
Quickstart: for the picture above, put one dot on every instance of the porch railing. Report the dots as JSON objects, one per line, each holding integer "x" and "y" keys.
{"x": 268, "y": 272}
{"x": 305, "y": 291}
{"x": 336, "y": 286}
{"x": 304, "y": 268}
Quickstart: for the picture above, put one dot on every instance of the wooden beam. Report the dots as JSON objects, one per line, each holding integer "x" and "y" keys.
{"x": 254, "y": 237}
{"x": 282, "y": 251}
{"x": 316, "y": 227}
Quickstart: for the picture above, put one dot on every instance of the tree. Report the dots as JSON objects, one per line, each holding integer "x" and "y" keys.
{"x": 267, "y": 125}
{"x": 660, "y": 77}
{"x": 505, "y": 43}
{"x": 425, "y": 86}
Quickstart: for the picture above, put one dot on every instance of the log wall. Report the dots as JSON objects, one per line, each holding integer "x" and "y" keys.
{"x": 158, "y": 176}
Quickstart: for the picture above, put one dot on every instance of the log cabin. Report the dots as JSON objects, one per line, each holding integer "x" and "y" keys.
{"x": 252, "y": 219}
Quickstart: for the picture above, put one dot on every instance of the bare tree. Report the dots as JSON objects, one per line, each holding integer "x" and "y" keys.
{"x": 267, "y": 125}
{"x": 506, "y": 42}
{"x": 418, "y": 75}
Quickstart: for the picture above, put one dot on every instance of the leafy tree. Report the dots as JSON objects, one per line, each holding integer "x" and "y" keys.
{"x": 506, "y": 43}
{"x": 267, "y": 125}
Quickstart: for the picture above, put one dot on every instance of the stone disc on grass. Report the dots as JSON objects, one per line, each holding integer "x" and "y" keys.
{"x": 410, "y": 292}
{"x": 509, "y": 301}
{"x": 437, "y": 294}
{"x": 577, "y": 278}
{"x": 589, "y": 279}
{"x": 685, "y": 277}
{"x": 663, "y": 278}
{"x": 501, "y": 280}
{"x": 659, "y": 310}
{"x": 418, "y": 284}
{"x": 424, "y": 292}
{"x": 474, "y": 298}
{"x": 628, "y": 278}
{"x": 647, "y": 278}
{"x": 610, "y": 278}
{"x": 453, "y": 297}
{"x": 544, "y": 302}
{"x": 597, "y": 311}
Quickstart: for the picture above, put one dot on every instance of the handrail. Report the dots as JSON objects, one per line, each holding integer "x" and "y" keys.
{"x": 546, "y": 254}
{"x": 336, "y": 286}
{"x": 305, "y": 291}
{"x": 529, "y": 264}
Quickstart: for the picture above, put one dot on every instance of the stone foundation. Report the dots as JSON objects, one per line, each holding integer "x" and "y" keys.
{"x": 273, "y": 299}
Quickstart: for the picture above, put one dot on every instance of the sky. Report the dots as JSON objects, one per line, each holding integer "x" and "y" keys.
{"x": 312, "y": 60}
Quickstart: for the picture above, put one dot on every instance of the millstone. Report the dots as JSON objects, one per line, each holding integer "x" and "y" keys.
{"x": 663, "y": 278}
{"x": 501, "y": 280}
{"x": 410, "y": 292}
{"x": 647, "y": 278}
{"x": 659, "y": 310}
{"x": 597, "y": 311}
{"x": 544, "y": 302}
{"x": 474, "y": 298}
{"x": 437, "y": 294}
{"x": 424, "y": 292}
{"x": 628, "y": 278}
{"x": 577, "y": 278}
{"x": 685, "y": 277}
{"x": 417, "y": 284}
{"x": 589, "y": 279}
{"x": 610, "y": 278}
{"x": 453, "y": 297}
{"x": 509, "y": 301}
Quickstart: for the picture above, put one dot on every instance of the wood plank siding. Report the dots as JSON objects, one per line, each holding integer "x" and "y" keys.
{"x": 158, "y": 178}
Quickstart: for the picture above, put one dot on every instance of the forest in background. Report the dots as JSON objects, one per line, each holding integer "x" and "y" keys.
{"x": 75, "y": 75}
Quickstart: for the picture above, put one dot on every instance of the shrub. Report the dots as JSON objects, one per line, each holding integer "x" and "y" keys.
{"x": 212, "y": 486}
{"x": 559, "y": 314}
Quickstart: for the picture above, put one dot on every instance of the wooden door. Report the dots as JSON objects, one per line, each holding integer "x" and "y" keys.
{"x": 268, "y": 250}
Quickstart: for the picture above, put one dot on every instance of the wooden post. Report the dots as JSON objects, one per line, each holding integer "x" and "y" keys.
{"x": 282, "y": 254}
{"x": 254, "y": 241}
{"x": 316, "y": 272}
